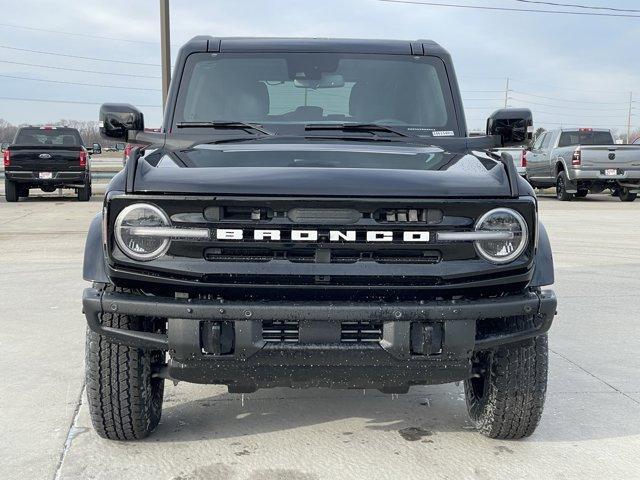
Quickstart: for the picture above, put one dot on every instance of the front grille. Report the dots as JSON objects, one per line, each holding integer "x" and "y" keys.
{"x": 280, "y": 331}
{"x": 361, "y": 332}
{"x": 324, "y": 255}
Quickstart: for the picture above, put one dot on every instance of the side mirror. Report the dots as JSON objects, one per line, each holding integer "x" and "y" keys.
{"x": 118, "y": 119}
{"x": 514, "y": 126}
{"x": 97, "y": 149}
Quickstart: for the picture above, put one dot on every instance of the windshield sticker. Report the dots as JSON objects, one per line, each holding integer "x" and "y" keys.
{"x": 443, "y": 133}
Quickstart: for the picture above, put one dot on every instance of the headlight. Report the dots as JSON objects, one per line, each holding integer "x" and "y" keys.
{"x": 134, "y": 231}
{"x": 507, "y": 235}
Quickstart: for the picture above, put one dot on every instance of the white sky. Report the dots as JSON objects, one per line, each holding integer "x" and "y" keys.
{"x": 585, "y": 65}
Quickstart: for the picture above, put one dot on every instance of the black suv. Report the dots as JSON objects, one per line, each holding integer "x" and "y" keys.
{"x": 314, "y": 214}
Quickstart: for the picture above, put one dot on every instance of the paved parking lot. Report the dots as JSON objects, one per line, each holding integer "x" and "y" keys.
{"x": 590, "y": 429}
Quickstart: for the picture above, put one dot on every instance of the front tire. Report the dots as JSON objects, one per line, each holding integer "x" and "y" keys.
{"x": 125, "y": 399}
{"x": 561, "y": 188}
{"x": 507, "y": 398}
{"x": 11, "y": 193}
{"x": 626, "y": 196}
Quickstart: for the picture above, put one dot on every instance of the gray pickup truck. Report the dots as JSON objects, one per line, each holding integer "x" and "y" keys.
{"x": 582, "y": 161}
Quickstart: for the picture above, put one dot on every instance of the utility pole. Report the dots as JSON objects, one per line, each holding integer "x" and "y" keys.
{"x": 506, "y": 94}
{"x": 165, "y": 49}
{"x": 629, "y": 119}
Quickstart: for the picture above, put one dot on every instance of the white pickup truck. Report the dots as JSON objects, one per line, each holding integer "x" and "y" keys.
{"x": 582, "y": 161}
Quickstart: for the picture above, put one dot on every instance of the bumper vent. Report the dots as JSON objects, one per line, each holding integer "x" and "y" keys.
{"x": 280, "y": 331}
{"x": 361, "y": 332}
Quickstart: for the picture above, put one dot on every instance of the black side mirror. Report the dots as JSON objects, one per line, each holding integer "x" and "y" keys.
{"x": 118, "y": 119}
{"x": 514, "y": 126}
{"x": 97, "y": 149}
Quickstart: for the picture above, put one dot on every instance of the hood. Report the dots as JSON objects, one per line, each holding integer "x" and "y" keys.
{"x": 323, "y": 170}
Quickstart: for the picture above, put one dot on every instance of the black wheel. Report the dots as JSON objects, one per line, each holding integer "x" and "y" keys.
{"x": 125, "y": 399}
{"x": 561, "y": 188}
{"x": 84, "y": 194}
{"x": 10, "y": 191}
{"x": 506, "y": 399}
{"x": 582, "y": 193}
{"x": 626, "y": 196}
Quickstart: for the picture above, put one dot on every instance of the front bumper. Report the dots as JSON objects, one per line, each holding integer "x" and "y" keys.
{"x": 421, "y": 342}
{"x": 58, "y": 179}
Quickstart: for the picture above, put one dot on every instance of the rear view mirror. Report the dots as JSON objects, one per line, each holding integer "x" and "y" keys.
{"x": 118, "y": 119}
{"x": 514, "y": 126}
{"x": 327, "y": 80}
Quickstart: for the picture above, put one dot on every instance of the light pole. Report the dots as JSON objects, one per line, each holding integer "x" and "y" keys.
{"x": 165, "y": 49}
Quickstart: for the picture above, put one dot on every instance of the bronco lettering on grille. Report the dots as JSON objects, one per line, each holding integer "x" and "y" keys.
{"x": 329, "y": 235}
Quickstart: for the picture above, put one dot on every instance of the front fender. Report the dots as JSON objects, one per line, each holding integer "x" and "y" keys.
{"x": 543, "y": 273}
{"x": 93, "y": 268}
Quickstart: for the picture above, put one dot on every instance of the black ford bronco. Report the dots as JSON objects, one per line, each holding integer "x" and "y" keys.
{"x": 314, "y": 214}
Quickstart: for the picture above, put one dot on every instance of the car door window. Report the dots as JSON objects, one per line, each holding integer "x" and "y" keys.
{"x": 546, "y": 142}
{"x": 538, "y": 142}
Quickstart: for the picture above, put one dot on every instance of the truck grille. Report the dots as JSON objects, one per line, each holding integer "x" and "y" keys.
{"x": 280, "y": 331}
{"x": 313, "y": 255}
{"x": 361, "y": 332}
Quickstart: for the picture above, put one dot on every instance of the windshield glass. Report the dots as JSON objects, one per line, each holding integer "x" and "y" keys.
{"x": 48, "y": 136}
{"x": 302, "y": 88}
{"x": 585, "y": 137}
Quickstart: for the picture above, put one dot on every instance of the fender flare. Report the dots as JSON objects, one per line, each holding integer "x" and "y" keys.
{"x": 572, "y": 184}
{"x": 543, "y": 273}
{"x": 93, "y": 268}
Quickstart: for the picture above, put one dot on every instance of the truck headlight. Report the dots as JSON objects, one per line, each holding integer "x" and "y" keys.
{"x": 507, "y": 235}
{"x": 134, "y": 231}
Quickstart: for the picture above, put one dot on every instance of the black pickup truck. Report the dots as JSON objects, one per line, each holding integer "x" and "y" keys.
{"x": 46, "y": 158}
{"x": 314, "y": 214}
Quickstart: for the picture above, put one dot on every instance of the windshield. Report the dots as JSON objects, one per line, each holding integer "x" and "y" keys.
{"x": 302, "y": 88}
{"x": 585, "y": 137}
{"x": 48, "y": 136}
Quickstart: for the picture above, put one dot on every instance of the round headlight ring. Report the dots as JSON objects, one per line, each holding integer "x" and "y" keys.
{"x": 523, "y": 239}
{"x": 144, "y": 257}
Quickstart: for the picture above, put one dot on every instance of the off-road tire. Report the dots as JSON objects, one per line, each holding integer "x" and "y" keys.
{"x": 561, "y": 188}
{"x": 84, "y": 194}
{"x": 10, "y": 191}
{"x": 125, "y": 400}
{"x": 626, "y": 196}
{"x": 507, "y": 400}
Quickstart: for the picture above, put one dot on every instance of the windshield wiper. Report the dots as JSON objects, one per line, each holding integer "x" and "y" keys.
{"x": 226, "y": 125}
{"x": 355, "y": 127}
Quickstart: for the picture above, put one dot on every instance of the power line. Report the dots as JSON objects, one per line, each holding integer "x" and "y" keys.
{"x": 575, "y": 5}
{"x": 567, "y": 100}
{"x": 52, "y": 67}
{"x": 108, "y": 60}
{"x": 73, "y": 102}
{"x": 577, "y": 115}
{"x": 75, "y": 34}
{"x": 509, "y": 9}
{"x": 79, "y": 83}
{"x": 564, "y": 107}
